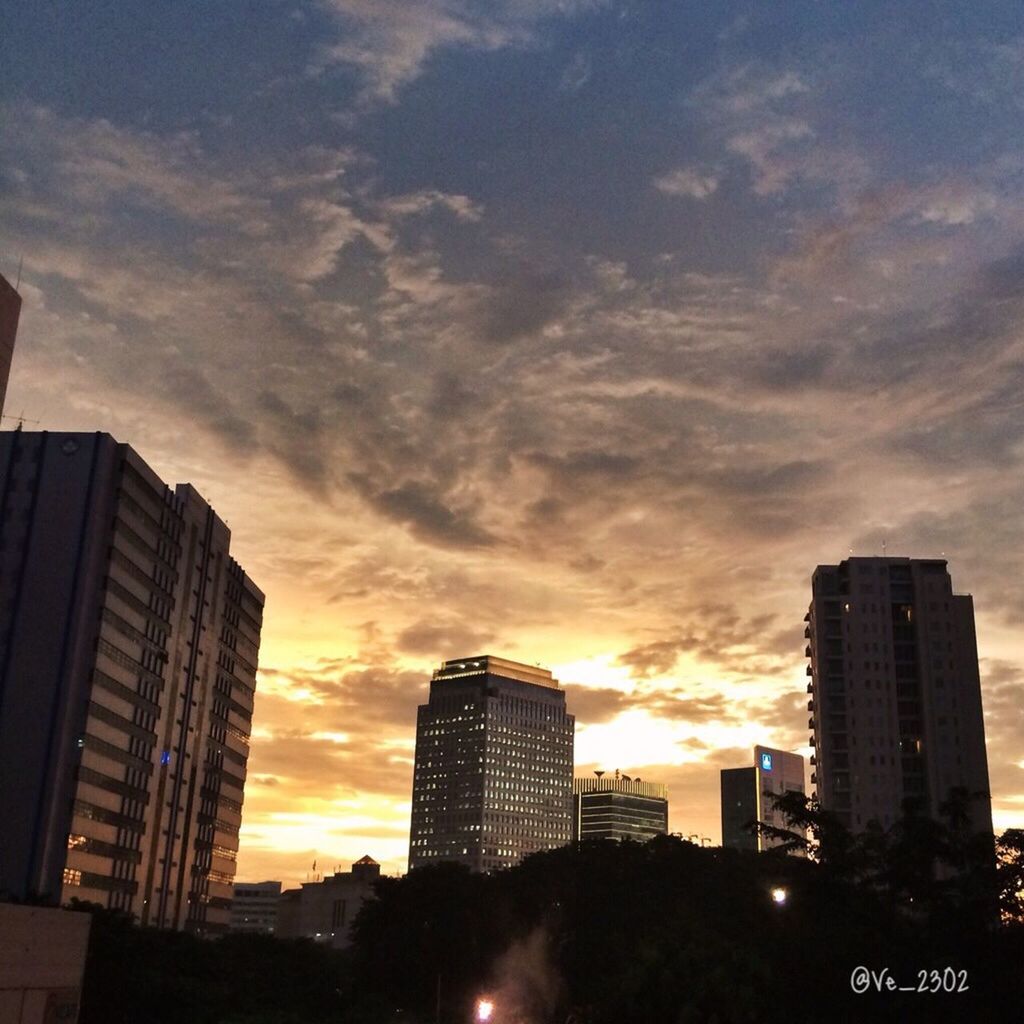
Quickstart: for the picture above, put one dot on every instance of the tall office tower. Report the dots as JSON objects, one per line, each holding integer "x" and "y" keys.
{"x": 895, "y": 692}
{"x": 128, "y": 648}
{"x": 747, "y": 797}
{"x": 493, "y": 777}
{"x": 618, "y": 807}
{"x": 10, "y": 309}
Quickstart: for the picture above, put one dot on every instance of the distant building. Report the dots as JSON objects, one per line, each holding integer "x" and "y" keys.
{"x": 324, "y": 911}
{"x": 739, "y": 808}
{"x": 494, "y": 756}
{"x": 895, "y": 693}
{"x": 618, "y": 807}
{"x": 747, "y": 797}
{"x": 10, "y": 310}
{"x": 254, "y": 907}
{"x": 777, "y": 772}
{"x": 42, "y": 960}
{"x": 128, "y": 649}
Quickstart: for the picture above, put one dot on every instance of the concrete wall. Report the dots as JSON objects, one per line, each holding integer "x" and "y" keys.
{"x": 42, "y": 959}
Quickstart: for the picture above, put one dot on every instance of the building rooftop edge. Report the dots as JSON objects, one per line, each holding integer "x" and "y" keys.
{"x": 483, "y": 664}
{"x": 610, "y": 784}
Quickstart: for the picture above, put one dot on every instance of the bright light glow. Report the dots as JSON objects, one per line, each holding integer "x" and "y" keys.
{"x": 779, "y": 895}
{"x": 334, "y": 737}
{"x": 638, "y": 738}
{"x": 484, "y": 1009}
{"x": 601, "y": 670}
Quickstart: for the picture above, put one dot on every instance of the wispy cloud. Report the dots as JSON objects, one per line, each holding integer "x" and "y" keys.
{"x": 390, "y": 41}
{"x": 688, "y": 182}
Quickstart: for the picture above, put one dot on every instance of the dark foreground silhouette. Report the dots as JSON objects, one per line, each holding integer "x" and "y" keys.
{"x": 604, "y": 933}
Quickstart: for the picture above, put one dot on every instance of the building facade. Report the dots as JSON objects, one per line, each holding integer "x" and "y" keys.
{"x": 739, "y": 808}
{"x": 128, "y": 651}
{"x": 494, "y": 758}
{"x": 895, "y": 694}
{"x": 10, "y": 310}
{"x": 42, "y": 963}
{"x": 618, "y": 807}
{"x": 254, "y": 907}
{"x": 776, "y": 772}
{"x": 324, "y": 910}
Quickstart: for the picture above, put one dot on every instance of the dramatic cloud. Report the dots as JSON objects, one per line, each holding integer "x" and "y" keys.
{"x": 496, "y": 328}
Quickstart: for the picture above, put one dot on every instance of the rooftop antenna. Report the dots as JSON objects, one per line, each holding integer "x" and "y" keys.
{"x": 21, "y": 260}
{"x": 883, "y": 547}
{"x": 21, "y": 420}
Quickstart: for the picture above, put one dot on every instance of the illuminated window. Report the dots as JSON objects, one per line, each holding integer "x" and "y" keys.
{"x": 76, "y": 841}
{"x": 72, "y": 877}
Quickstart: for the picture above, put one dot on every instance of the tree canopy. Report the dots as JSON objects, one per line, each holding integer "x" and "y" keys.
{"x": 664, "y": 932}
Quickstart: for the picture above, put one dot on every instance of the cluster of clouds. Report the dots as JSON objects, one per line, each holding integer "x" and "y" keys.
{"x": 463, "y": 439}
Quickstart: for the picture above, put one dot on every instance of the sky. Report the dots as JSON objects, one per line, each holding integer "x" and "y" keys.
{"x": 572, "y": 331}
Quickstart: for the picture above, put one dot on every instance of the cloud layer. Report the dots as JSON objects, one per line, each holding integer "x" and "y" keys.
{"x": 509, "y": 329}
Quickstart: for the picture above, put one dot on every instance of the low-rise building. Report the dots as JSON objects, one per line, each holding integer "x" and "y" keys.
{"x": 618, "y": 807}
{"x": 324, "y": 911}
{"x": 42, "y": 959}
{"x": 254, "y": 907}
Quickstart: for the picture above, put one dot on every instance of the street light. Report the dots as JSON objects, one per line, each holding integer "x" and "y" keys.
{"x": 484, "y": 1010}
{"x": 779, "y": 896}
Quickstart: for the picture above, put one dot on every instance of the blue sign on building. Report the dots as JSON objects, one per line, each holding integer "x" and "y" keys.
{"x": 766, "y": 762}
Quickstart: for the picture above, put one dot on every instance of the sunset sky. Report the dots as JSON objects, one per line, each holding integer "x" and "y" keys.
{"x": 571, "y": 331}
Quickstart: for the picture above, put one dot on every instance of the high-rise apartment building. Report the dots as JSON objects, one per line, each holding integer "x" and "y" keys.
{"x": 618, "y": 807}
{"x": 895, "y": 692}
{"x": 10, "y": 310}
{"x": 747, "y": 797}
{"x": 493, "y": 776}
{"x": 128, "y": 649}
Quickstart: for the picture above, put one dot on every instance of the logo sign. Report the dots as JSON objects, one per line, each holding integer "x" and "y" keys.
{"x": 766, "y": 762}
